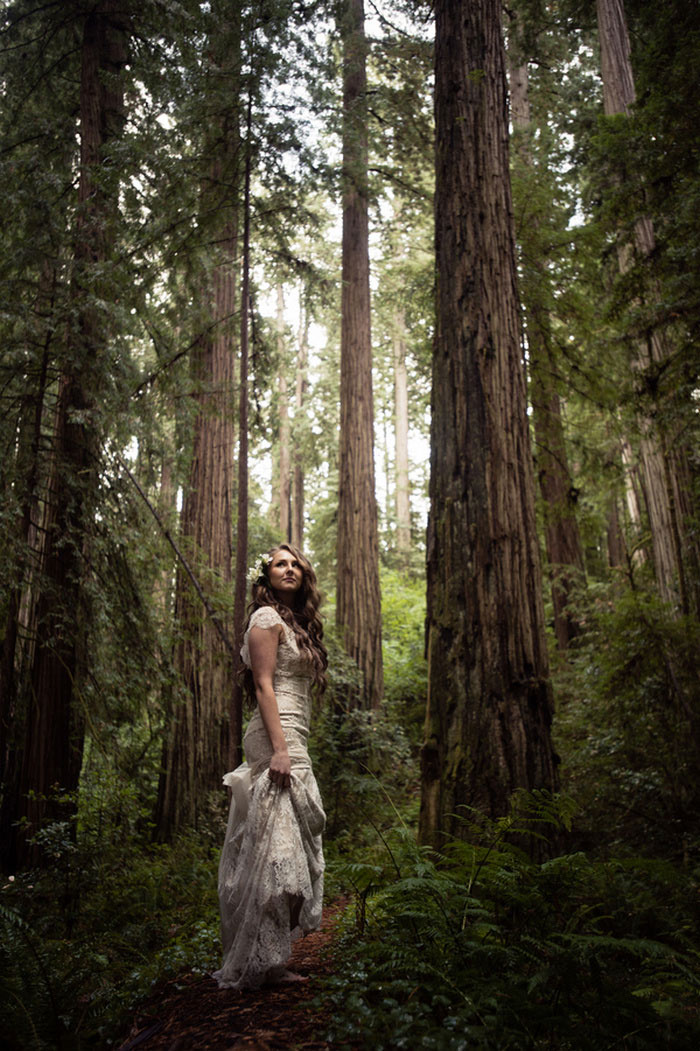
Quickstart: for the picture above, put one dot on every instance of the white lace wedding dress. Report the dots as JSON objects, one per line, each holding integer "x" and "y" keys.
{"x": 271, "y": 868}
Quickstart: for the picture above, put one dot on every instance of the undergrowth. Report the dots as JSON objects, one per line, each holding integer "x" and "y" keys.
{"x": 628, "y": 727}
{"x": 110, "y": 917}
{"x": 481, "y": 947}
{"x": 476, "y": 947}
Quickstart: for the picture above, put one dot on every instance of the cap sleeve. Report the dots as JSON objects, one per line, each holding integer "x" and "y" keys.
{"x": 264, "y": 617}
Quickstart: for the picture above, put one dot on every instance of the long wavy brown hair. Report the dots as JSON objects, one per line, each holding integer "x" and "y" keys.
{"x": 303, "y": 617}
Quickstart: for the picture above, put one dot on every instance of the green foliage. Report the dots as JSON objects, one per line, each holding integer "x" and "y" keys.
{"x": 366, "y": 762}
{"x": 481, "y": 947}
{"x": 628, "y": 726}
{"x": 403, "y": 640}
{"x": 113, "y": 915}
{"x": 363, "y": 760}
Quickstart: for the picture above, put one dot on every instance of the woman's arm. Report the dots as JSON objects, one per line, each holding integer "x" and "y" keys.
{"x": 262, "y": 646}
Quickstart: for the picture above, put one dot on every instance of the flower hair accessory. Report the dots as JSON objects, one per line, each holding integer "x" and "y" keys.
{"x": 257, "y": 574}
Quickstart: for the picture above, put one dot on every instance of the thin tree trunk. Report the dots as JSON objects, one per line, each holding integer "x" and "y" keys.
{"x": 489, "y": 697}
{"x": 197, "y": 748}
{"x": 614, "y": 536}
{"x": 562, "y": 538}
{"x": 285, "y": 456}
{"x": 273, "y": 511}
{"x": 167, "y": 509}
{"x": 358, "y": 610}
{"x": 633, "y": 501}
{"x": 386, "y": 461}
{"x": 403, "y": 493}
{"x": 297, "y": 453}
{"x": 241, "y": 581}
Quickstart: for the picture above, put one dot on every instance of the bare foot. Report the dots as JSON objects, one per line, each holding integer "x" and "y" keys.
{"x": 286, "y": 976}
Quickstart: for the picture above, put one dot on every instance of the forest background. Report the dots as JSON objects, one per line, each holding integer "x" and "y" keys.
{"x": 230, "y": 294}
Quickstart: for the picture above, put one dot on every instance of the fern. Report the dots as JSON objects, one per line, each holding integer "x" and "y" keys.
{"x": 481, "y": 947}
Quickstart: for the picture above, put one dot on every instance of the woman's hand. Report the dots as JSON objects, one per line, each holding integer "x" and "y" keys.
{"x": 280, "y": 772}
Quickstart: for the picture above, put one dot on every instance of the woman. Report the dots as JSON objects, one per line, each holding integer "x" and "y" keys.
{"x": 271, "y": 868}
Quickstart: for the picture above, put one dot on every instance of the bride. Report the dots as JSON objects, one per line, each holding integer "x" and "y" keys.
{"x": 271, "y": 868}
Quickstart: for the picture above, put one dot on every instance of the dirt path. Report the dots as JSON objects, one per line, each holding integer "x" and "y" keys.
{"x": 192, "y": 1014}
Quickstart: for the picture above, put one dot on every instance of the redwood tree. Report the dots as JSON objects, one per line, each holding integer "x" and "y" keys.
{"x": 665, "y": 470}
{"x": 241, "y": 582}
{"x": 300, "y": 388}
{"x": 561, "y": 532}
{"x": 197, "y": 748}
{"x": 489, "y": 696}
{"x": 53, "y": 744}
{"x": 403, "y": 491}
{"x": 358, "y": 612}
{"x": 284, "y": 428}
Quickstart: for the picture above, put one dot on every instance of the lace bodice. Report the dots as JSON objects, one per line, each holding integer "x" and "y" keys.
{"x": 289, "y": 661}
{"x": 292, "y": 686}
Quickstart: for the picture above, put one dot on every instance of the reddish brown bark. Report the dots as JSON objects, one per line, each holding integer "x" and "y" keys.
{"x": 403, "y": 493}
{"x": 285, "y": 435}
{"x": 241, "y": 579}
{"x": 358, "y": 611}
{"x": 663, "y": 460}
{"x": 198, "y": 746}
{"x": 202, "y": 725}
{"x": 298, "y": 455}
{"x": 489, "y": 697}
{"x": 562, "y": 538}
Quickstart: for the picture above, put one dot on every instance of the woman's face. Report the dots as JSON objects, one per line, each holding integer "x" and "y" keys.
{"x": 286, "y": 575}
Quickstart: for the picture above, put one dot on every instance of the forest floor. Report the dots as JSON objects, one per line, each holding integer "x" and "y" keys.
{"x": 191, "y": 1013}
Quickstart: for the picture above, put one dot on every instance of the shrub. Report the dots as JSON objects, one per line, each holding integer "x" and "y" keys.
{"x": 628, "y": 728}
{"x": 481, "y": 947}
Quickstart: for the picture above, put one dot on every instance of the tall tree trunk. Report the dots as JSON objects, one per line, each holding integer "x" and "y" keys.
{"x": 358, "y": 611}
{"x": 285, "y": 455}
{"x": 562, "y": 538}
{"x": 297, "y": 451}
{"x": 662, "y": 471}
{"x": 14, "y": 652}
{"x": 403, "y": 493}
{"x": 27, "y": 472}
{"x": 614, "y": 536}
{"x": 241, "y": 580}
{"x": 196, "y": 751}
{"x": 489, "y": 696}
{"x": 53, "y": 744}
{"x": 386, "y": 461}
{"x": 197, "y": 748}
{"x": 167, "y": 510}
